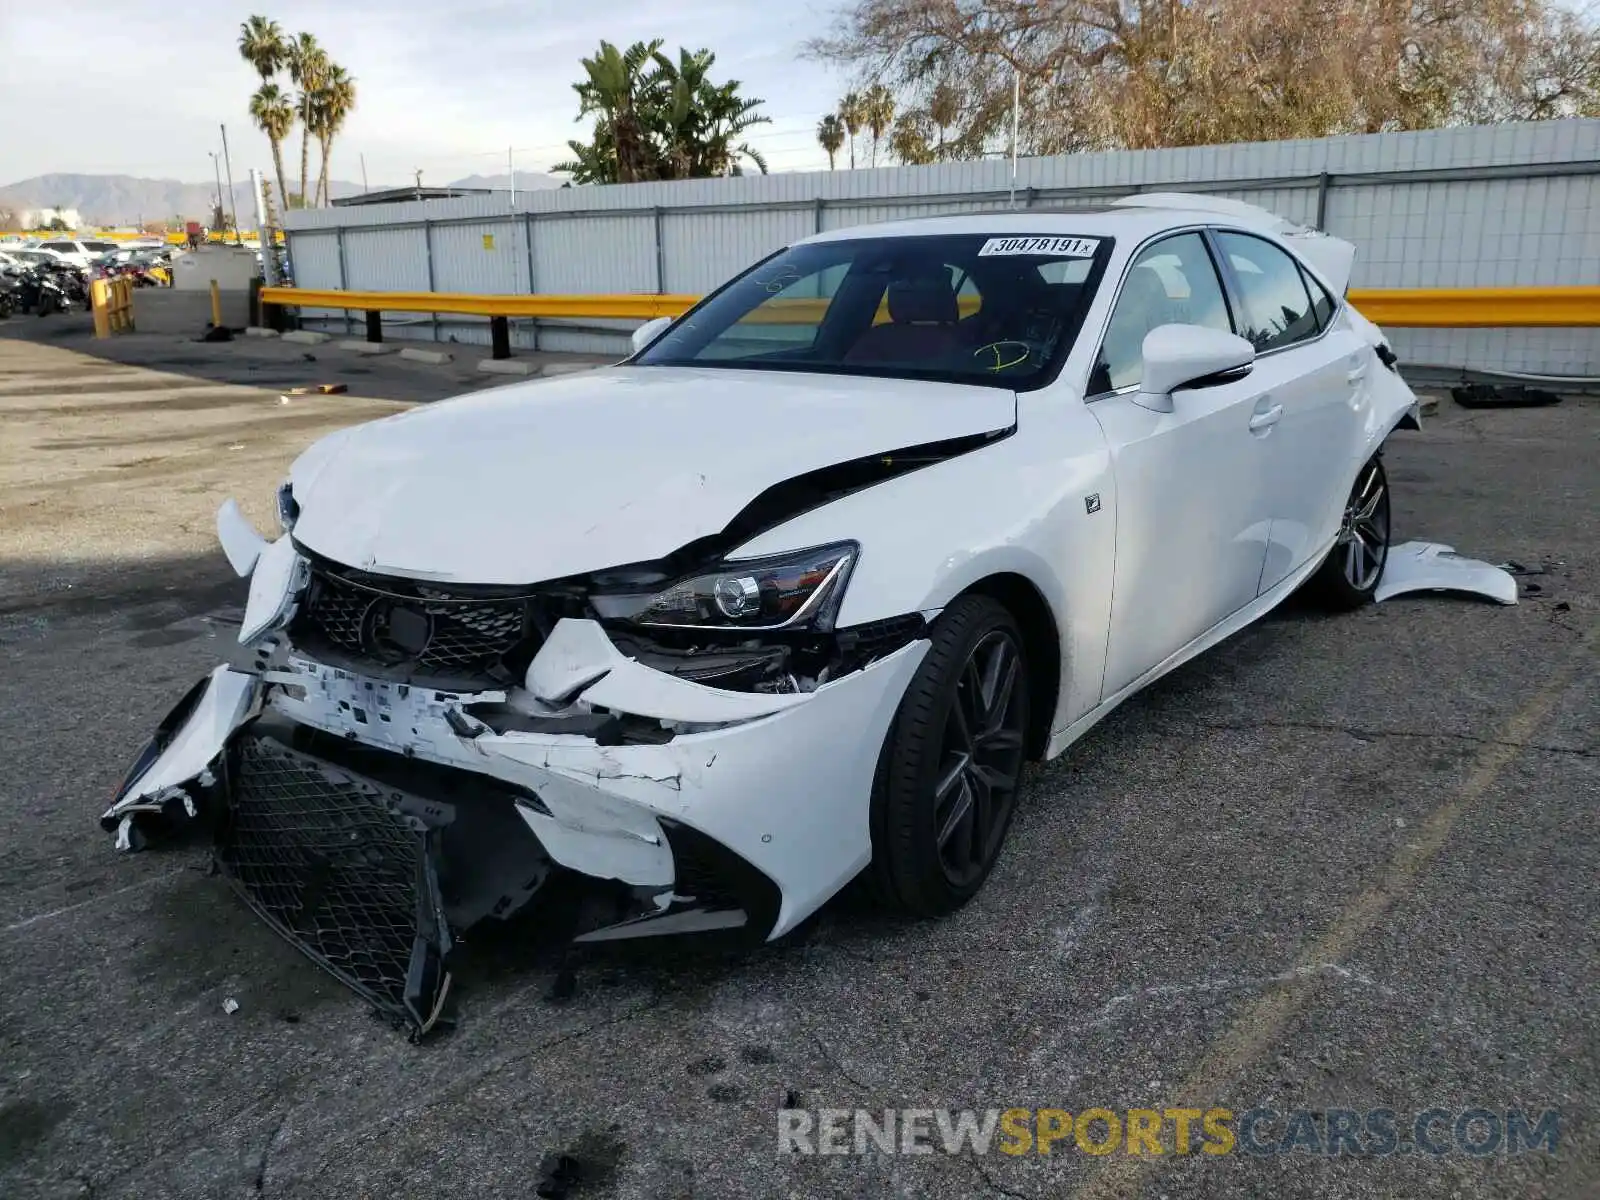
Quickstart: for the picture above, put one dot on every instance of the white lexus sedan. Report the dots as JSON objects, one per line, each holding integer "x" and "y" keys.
{"x": 788, "y": 596}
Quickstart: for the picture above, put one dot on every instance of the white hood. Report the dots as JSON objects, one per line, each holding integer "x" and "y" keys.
{"x": 542, "y": 480}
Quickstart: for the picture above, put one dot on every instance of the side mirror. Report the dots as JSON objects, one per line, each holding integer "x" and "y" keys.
{"x": 1178, "y": 356}
{"x": 649, "y": 332}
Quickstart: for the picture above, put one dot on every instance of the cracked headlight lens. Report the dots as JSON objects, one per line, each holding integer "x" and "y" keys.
{"x": 798, "y": 590}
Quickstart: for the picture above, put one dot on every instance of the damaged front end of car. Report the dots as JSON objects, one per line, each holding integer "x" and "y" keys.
{"x": 393, "y": 761}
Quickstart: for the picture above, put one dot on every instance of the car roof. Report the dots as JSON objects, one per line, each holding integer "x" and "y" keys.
{"x": 1137, "y": 220}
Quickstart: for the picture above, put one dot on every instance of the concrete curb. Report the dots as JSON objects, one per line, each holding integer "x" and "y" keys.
{"x": 357, "y": 346}
{"x": 305, "y": 337}
{"x": 259, "y": 331}
{"x": 506, "y": 366}
{"x": 436, "y": 357}
{"x": 570, "y": 368}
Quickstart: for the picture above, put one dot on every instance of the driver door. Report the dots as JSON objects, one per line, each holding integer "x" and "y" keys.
{"x": 1191, "y": 504}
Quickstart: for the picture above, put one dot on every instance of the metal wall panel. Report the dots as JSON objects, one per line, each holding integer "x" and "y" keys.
{"x": 701, "y": 250}
{"x": 575, "y": 256}
{"x": 487, "y": 257}
{"x": 314, "y": 262}
{"x": 380, "y": 259}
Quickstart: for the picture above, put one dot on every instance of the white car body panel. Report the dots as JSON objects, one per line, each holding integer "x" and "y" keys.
{"x": 1434, "y": 567}
{"x": 485, "y": 488}
{"x": 1141, "y": 536}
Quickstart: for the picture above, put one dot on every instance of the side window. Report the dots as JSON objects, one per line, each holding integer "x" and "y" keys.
{"x": 1322, "y": 305}
{"x": 1277, "y": 308}
{"x": 1171, "y": 282}
{"x": 63, "y": 247}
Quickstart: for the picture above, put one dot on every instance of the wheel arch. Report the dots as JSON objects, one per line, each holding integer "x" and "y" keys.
{"x": 1041, "y": 642}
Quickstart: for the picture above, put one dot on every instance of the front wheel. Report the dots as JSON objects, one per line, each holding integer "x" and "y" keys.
{"x": 948, "y": 777}
{"x": 1349, "y": 576}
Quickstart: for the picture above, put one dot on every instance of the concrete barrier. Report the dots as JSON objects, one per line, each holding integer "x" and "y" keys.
{"x": 507, "y": 366}
{"x": 305, "y": 337}
{"x": 436, "y": 357}
{"x": 356, "y": 346}
{"x": 170, "y": 310}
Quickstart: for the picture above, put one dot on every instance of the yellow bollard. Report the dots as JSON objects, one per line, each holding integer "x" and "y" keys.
{"x": 122, "y": 304}
{"x": 100, "y": 301}
{"x": 216, "y": 303}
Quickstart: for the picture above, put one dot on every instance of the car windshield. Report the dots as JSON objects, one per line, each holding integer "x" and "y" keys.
{"x": 968, "y": 308}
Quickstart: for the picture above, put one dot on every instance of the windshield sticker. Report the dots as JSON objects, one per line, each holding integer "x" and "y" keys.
{"x": 1058, "y": 247}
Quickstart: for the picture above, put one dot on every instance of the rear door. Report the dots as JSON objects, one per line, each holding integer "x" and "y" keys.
{"x": 1310, "y": 368}
{"x": 1190, "y": 500}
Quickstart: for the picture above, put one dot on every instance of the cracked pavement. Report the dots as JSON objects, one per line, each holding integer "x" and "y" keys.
{"x": 1335, "y": 863}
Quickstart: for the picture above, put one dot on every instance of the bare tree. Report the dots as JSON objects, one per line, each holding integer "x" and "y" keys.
{"x": 1140, "y": 73}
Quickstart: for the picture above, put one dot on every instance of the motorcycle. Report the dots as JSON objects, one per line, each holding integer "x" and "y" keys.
{"x": 37, "y": 289}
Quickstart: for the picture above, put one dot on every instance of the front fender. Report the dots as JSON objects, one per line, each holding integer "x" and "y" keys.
{"x": 1040, "y": 504}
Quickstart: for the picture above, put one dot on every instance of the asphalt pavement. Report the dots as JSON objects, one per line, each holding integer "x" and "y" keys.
{"x": 1338, "y": 863}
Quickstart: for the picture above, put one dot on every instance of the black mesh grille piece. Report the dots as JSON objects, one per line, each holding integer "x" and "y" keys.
{"x": 412, "y": 625}
{"x": 328, "y": 860}
{"x": 878, "y": 638}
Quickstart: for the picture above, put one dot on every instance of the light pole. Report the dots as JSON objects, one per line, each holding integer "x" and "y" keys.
{"x": 1016, "y": 105}
{"x": 232, "y": 203}
{"x": 216, "y": 165}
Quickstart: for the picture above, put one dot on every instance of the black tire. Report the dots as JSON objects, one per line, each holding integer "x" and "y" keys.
{"x": 928, "y": 858}
{"x": 1350, "y": 575}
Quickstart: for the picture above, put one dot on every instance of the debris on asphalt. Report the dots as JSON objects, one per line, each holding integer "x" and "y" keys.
{"x": 1490, "y": 395}
{"x": 558, "y": 1175}
{"x": 562, "y": 987}
{"x": 216, "y": 333}
{"x": 1434, "y": 567}
{"x": 230, "y": 1006}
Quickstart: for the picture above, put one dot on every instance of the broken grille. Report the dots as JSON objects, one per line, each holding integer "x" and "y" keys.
{"x": 327, "y": 858}
{"x": 413, "y": 625}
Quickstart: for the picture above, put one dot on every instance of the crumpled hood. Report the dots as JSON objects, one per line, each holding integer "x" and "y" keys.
{"x": 553, "y": 478}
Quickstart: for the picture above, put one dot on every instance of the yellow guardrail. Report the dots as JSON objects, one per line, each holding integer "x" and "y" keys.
{"x": 1432, "y": 308}
{"x": 621, "y": 308}
{"x": 1480, "y": 308}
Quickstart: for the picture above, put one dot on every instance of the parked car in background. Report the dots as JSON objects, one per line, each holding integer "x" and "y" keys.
{"x": 78, "y": 253}
{"x": 33, "y": 256}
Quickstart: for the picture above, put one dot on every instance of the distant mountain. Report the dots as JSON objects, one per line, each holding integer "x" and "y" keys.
{"x": 125, "y": 199}
{"x": 527, "y": 181}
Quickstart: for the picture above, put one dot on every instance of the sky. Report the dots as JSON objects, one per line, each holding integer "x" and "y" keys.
{"x": 135, "y": 87}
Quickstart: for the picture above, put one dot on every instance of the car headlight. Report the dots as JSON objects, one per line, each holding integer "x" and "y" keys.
{"x": 800, "y": 589}
{"x": 288, "y": 509}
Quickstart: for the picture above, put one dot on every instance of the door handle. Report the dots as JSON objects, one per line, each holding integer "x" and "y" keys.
{"x": 1265, "y": 418}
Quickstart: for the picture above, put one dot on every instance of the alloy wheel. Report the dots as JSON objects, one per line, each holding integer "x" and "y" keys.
{"x": 980, "y": 758}
{"x": 1363, "y": 542}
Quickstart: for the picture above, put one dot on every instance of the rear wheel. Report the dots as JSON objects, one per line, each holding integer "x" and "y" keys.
{"x": 950, "y": 768}
{"x": 1350, "y": 574}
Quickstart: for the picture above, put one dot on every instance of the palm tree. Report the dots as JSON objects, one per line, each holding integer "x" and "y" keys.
{"x": 878, "y": 114}
{"x": 612, "y": 89}
{"x": 944, "y": 110}
{"x": 308, "y": 63}
{"x": 273, "y": 114}
{"x": 261, "y": 44}
{"x": 830, "y": 135}
{"x": 853, "y": 113}
{"x": 335, "y": 100}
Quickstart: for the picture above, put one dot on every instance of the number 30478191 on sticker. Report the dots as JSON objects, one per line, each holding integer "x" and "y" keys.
{"x": 1061, "y": 247}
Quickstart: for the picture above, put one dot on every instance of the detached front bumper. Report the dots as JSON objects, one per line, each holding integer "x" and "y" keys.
{"x": 370, "y": 821}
